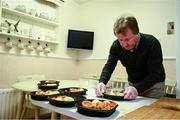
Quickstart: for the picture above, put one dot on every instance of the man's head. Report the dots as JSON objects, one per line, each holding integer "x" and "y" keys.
{"x": 126, "y": 30}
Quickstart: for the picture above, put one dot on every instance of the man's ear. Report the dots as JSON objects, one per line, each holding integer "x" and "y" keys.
{"x": 116, "y": 34}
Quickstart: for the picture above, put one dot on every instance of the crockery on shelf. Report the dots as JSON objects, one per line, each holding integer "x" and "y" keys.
{"x": 21, "y": 8}
{"x": 5, "y": 4}
{"x": 44, "y": 15}
{"x": 9, "y": 44}
{"x": 20, "y": 46}
{"x": 47, "y": 49}
{"x": 32, "y": 12}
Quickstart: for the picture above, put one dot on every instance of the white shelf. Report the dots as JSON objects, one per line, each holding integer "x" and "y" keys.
{"x": 26, "y": 37}
{"x": 30, "y": 17}
{"x": 56, "y": 2}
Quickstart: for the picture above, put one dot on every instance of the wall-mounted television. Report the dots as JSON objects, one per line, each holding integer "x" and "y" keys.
{"x": 80, "y": 39}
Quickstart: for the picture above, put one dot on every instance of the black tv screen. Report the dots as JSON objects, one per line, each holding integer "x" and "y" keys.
{"x": 80, "y": 39}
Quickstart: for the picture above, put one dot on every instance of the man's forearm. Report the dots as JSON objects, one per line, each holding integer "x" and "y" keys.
{"x": 108, "y": 70}
{"x": 105, "y": 75}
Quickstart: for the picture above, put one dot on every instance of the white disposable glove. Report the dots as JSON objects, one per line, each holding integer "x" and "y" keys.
{"x": 100, "y": 89}
{"x": 130, "y": 93}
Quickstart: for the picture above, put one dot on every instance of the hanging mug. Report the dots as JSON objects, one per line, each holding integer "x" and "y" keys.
{"x": 9, "y": 44}
{"x": 30, "y": 47}
{"x": 20, "y": 46}
{"x": 39, "y": 48}
{"x": 47, "y": 49}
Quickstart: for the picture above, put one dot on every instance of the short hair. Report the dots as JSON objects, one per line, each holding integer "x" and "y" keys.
{"x": 124, "y": 22}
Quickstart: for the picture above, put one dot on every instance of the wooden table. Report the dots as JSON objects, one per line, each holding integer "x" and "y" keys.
{"x": 163, "y": 109}
{"x": 123, "y": 108}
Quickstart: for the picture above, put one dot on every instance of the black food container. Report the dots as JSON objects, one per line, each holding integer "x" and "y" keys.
{"x": 94, "y": 112}
{"x": 48, "y": 86}
{"x": 66, "y": 103}
{"x": 113, "y": 97}
{"x": 67, "y": 91}
{"x": 41, "y": 97}
{"x": 49, "y": 82}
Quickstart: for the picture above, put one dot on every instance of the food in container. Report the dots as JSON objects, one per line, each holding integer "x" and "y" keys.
{"x": 74, "y": 90}
{"x": 65, "y": 100}
{"x": 114, "y": 94}
{"x": 42, "y": 95}
{"x": 96, "y": 108}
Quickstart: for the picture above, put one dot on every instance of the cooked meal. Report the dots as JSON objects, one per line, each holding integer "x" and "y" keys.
{"x": 100, "y": 105}
{"x": 63, "y": 98}
{"x": 49, "y": 84}
{"x": 115, "y": 93}
{"x": 75, "y": 90}
{"x": 50, "y": 81}
{"x": 48, "y": 92}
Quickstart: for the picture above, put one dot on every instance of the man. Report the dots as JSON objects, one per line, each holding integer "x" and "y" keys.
{"x": 141, "y": 54}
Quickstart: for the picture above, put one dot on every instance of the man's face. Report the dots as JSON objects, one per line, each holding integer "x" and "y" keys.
{"x": 127, "y": 40}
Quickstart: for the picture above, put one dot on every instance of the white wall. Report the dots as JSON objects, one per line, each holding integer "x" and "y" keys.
{"x": 178, "y": 48}
{"x": 68, "y": 19}
{"x": 152, "y": 15}
{"x": 99, "y": 16}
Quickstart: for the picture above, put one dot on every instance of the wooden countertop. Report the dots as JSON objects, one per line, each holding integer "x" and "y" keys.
{"x": 164, "y": 108}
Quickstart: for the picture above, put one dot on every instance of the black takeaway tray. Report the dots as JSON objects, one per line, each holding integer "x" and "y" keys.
{"x": 94, "y": 112}
{"x": 67, "y": 91}
{"x": 49, "y": 82}
{"x": 66, "y": 103}
{"x": 47, "y": 86}
{"x": 114, "y": 95}
{"x": 44, "y": 97}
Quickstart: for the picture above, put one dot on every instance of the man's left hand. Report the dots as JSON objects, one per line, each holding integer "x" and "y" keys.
{"x": 130, "y": 93}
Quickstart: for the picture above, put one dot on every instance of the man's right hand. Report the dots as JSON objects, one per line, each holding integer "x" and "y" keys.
{"x": 100, "y": 89}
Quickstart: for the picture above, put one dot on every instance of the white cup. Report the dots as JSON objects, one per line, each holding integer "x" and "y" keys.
{"x": 9, "y": 44}
{"x": 47, "y": 50}
{"x": 20, "y": 46}
{"x": 32, "y": 12}
{"x": 5, "y": 4}
{"x": 39, "y": 48}
{"x": 30, "y": 47}
{"x": 25, "y": 32}
{"x": 4, "y": 29}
